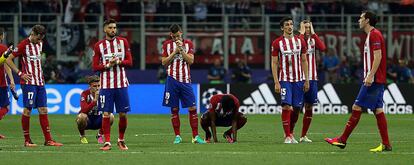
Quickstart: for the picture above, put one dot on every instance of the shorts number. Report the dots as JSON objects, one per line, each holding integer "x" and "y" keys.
{"x": 102, "y": 97}
{"x": 30, "y": 95}
{"x": 283, "y": 91}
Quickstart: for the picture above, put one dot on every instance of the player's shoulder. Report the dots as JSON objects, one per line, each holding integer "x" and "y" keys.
{"x": 278, "y": 39}
{"x": 188, "y": 41}
{"x": 99, "y": 42}
{"x": 376, "y": 33}
{"x": 26, "y": 41}
{"x": 122, "y": 38}
{"x": 86, "y": 92}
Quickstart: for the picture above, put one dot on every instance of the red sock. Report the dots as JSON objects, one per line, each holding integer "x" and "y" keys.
{"x": 44, "y": 123}
{"x": 26, "y": 127}
{"x": 294, "y": 115}
{"x": 351, "y": 124}
{"x": 106, "y": 127}
{"x": 122, "y": 127}
{"x": 286, "y": 121}
{"x": 382, "y": 126}
{"x": 193, "y": 122}
{"x": 175, "y": 121}
{"x": 307, "y": 118}
{"x": 3, "y": 112}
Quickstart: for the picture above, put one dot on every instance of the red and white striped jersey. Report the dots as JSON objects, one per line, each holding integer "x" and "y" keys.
{"x": 313, "y": 43}
{"x": 30, "y": 59}
{"x": 104, "y": 51}
{"x": 375, "y": 41}
{"x": 3, "y": 80}
{"x": 289, "y": 52}
{"x": 178, "y": 68}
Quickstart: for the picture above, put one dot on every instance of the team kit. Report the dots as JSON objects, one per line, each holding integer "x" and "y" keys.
{"x": 294, "y": 73}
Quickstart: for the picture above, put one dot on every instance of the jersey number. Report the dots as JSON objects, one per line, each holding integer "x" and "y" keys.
{"x": 283, "y": 91}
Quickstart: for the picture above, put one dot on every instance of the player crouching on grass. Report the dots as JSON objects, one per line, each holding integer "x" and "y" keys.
{"x": 89, "y": 118}
{"x": 223, "y": 111}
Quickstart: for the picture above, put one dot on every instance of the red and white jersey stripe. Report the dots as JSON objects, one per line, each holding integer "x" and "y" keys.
{"x": 31, "y": 55}
{"x": 104, "y": 51}
{"x": 178, "y": 68}
{"x": 290, "y": 53}
{"x": 313, "y": 43}
{"x": 375, "y": 41}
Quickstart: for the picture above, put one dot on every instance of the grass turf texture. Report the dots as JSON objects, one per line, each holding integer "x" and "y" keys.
{"x": 150, "y": 137}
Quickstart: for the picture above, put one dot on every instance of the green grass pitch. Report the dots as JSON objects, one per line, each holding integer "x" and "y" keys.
{"x": 149, "y": 138}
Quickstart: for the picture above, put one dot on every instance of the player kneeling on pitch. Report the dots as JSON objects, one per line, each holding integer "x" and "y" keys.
{"x": 223, "y": 111}
{"x": 89, "y": 118}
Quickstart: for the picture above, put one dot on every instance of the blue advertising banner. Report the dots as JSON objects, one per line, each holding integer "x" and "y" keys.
{"x": 65, "y": 99}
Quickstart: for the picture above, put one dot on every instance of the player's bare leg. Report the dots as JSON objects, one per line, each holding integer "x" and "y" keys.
{"x": 175, "y": 122}
{"x": 106, "y": 127}
{"x": 351, "y": 124}
{"x": 122, "y": 128}
{"x": 205, "y": 122}
{"x": 82, "y": 122}
{"x": 382, "y": 127}
{"x": 26, "y": 127}
{"x": 44, "y": 123}
{"x": 193, "y": 117}
{"x": 307, "y": 118}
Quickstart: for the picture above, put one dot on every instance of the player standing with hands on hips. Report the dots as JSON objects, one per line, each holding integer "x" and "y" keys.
{"x": 178, "y": 55}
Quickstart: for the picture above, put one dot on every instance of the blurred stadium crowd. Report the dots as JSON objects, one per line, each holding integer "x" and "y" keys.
{"x": 332, "y": 67}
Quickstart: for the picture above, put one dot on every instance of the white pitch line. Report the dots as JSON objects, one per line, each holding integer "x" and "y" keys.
{"x": 203, "y": 152}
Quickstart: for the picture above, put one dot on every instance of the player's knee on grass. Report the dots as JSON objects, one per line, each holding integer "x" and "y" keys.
{"x": 42, "y": 110}
{"x": 356, "y": 107}
{"x": 82, "y": 120}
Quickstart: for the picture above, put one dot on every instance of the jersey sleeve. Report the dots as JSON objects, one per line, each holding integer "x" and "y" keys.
{"x": 275, "y": 48}
{"x": 318, "y": 43}
{"x": 85, "y": 106}
{"x": 19, "y": 50}
{"x": 190, "y": 47}
{"x": 128, "y": 56}
{"x": 375, "y": 41}
{"x": 164, "y": 49}
{"x": 96, "y": 60}
{"x": 236, "y": 104}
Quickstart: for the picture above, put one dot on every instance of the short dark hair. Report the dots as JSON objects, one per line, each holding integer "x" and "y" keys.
{"x": 174, "y": 28}
{"x": 227, "y": 103}
{"x": 92, "y": 79}
{"x": 284, "y": 19}
{"x": 371, "y": 16}
{"x": 39, "y": 29}
{"x": 109, "y": 21}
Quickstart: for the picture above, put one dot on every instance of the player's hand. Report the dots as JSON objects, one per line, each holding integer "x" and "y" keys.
{"x": 368, "y": 80}
{"x": 306, "y": 86}
{"x": 96, "y": 96}
{"x": 26, "y": 77}
{"x": 311, "y": 28}
{"x": 277, "y": 87}
{"x": 179, "y": 43}
{"x": 12, "y": 86}
{"x": 302, "y": 28}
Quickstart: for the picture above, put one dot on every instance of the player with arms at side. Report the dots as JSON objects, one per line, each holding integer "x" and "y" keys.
{"x": 307, "y": 33}
{"x": 111, "y": 56}
{"x": 223, "y": 111}
{"x": 290, "y": 74}
{"x": 372, "y": 90}
{"x": 89, "y": 118}
{"x": 178, "y": 55}
{"x": 4, "y": 94}
{"x": 32, "y": 82}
